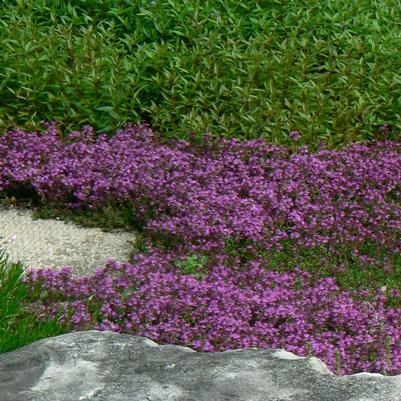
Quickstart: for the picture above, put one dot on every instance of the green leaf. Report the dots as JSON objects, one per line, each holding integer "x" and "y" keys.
{"x": 109, "y": 109}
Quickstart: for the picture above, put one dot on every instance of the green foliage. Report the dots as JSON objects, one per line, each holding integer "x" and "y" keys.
{"x": 10, "y": 292}
{"x": 248, "y": 70}
{"x": 18, "y": 325}
{"x": 193, "y": 265}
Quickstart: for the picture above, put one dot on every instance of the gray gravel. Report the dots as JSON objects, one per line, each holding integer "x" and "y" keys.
{"x": 53, "y": 243}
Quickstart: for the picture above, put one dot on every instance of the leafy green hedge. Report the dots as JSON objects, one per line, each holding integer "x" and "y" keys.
{"x": 330, "y": 70}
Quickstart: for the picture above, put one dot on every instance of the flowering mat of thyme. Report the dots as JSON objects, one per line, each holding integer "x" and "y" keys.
{"x": 244, "y": 244}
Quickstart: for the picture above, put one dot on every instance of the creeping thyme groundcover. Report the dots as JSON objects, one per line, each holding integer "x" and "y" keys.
{"x": 222, "y": 200}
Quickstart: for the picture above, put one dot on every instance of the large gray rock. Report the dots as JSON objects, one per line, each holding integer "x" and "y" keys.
{"x": 107, "y": 366}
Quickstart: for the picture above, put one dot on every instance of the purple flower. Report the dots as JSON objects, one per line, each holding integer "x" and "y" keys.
{"x": 385, "y": 129}
{"x": 240, "y": 196}
{"x": 295, "y": 135}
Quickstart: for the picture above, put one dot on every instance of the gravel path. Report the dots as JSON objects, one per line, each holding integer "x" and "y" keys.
{"x": 56, "y": 244}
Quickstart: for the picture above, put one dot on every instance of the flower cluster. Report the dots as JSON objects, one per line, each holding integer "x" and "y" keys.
{"x": 230, "y": 308}
{"x": 225, "y": 193}
{"x": 249, "y": 191}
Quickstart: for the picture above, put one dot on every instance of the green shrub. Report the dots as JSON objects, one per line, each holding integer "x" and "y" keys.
{"x": 246, "y": 70}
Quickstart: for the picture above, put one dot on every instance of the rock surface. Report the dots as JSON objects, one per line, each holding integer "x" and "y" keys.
{"x": 106, "y": 366}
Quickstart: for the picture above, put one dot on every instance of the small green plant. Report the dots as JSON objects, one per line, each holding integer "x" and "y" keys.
{"x": 192, "y": 264}
{"x": 18, "y": 325}
{"x": 338, "y": 362}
